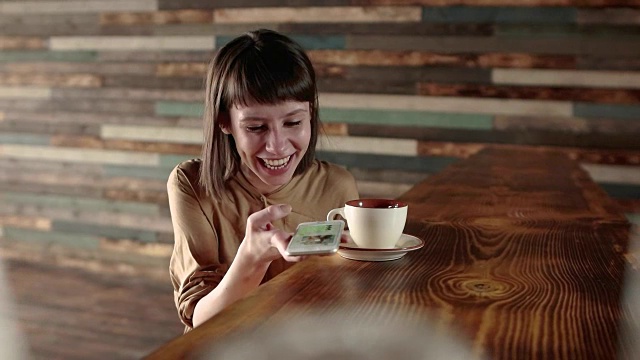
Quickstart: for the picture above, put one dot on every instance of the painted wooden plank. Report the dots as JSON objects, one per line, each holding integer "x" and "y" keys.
{"x": 308, "y": 42}
{"x": 389, "y": 28}
{"x": 381, "y": 190}
{"x": 45, "y": 129}
{"x": 628, "y": 141}
{"x": 22, "y": 138}
{"x": 111, "y": 232}
{"x": 428, "y": 165}
{"x": 77, "y": 56}
{"x": 387, "y": 176}
{"x": 79, "y": 155}
{"x": 416, "y": 74}
{"x": 579, "y": 45}
{"x": 212, "y": 29}
{"x": 76, "y": 6}
{"x": 96, "y": 118}
{"x": 26, "y": 222}
{"x": 124, "y": 43}
{"x": 587, "y": 110}
{"x": 613, "y": 174}
{"x": 114, "y": 225}
{"x": 31, "y": 92}
{"x": 614, "y": 96}
{"x": 567, "y": 31}
{"x": 574, "y": 125}
{"x": 156, "y": 133}
{"x": 446, "y": 104}
{"x": 170, "y": 161}
{"x": 21, "y": 42}
{"x": 9, "y": 165}
{"x": 406, "y": 118}
{"x": 130, "y": 94}
{"x": 79, "y": 105}
{"x": 621, "y": 191}
{"x": 198, "y": 69}
{"x": 146, "y": 196}
{"x": 397, "y": 87}
{"x": 325, "y": 14}
{"x": 184, "y": 16}
{"x": 354, "y": 144}
{"x": 418, "y": 58}
{"x": 578, "y": 78}
{"x": 138, "y": 146}
{"x": 153, "y": 82}
{"x": 174, "y": 108}
{"x": 58, "y": 80}
{"x": 137, "y": 172}
{"x": 609, "y": 16}
{"x": 338, "y": 129}
{"x": 87, "y": 205}
{"x": 528, "y": 3}
{"x": 154, "y": 56}
{"x": 606, "y": 63}
{"x": 498, "y": 14}
{"x": 81, "y": 241}
{"x": 133, "y": 68}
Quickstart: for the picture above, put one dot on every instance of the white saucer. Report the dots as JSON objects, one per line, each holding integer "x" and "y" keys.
{"x": 406, "y": 243}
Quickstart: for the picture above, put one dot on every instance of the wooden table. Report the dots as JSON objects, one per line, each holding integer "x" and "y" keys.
{"x": 524, "y": 256}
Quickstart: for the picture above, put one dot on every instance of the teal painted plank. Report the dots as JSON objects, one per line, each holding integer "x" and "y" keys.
{"x": 424, "y": 164}
{"x": 24, "y": 139}
{"x": 170, "y": 161}
{"x": 80, "y": 203}
{"x": 496, "y": 14}
{"x": 577, "y": 32}
{"x": 621, "y": 191}
{"x": 161, "y": 173}
{"x": 589, "y": 110}
{"x": 406, "y": 118}
{"x": 73, "y": 56}
{"x": 112, "y": 232}
{"x": 308, "y": 42}
{"x": 178, "y": 108}
{"x": 82, "y": 241}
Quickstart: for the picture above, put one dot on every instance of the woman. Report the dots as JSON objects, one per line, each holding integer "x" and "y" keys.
{"x": 234, "y": 209}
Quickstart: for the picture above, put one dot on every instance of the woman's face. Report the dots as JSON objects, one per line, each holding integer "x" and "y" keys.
{"x": 271, "y": 140}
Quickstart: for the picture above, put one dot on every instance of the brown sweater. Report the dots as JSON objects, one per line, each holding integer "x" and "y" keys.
{"x": 208, "y": 231}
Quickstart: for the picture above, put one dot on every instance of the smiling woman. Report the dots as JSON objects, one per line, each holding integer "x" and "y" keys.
{"x": 234, "y": 208}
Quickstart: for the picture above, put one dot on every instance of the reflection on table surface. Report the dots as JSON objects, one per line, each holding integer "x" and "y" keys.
{"x": 524, "y": 257}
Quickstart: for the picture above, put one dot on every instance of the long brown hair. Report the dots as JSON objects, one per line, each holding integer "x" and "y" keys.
{"x": 260, "y": 66}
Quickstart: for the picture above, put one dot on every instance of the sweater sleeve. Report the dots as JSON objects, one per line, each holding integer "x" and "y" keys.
{"x": 195, "y": 267}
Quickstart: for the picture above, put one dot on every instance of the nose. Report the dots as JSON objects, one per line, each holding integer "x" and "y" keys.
{"x": 276, "y": 142}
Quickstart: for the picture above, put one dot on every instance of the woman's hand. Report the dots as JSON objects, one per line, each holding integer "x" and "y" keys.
{"x": 262, "y": 241}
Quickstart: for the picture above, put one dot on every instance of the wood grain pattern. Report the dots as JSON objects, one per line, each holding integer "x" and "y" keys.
{"x": 156, "y": 18}
{"x": 503, "y": 266}
{"x": 21, "y": 42}
{"x": 60, "y": 80}
{"x": 612, "y": 96}
{"x": 419, "y": 58}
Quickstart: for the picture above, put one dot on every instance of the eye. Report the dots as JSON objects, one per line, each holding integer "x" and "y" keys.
{"x": 256, "y": 128}
{"x": 293, "y": 123}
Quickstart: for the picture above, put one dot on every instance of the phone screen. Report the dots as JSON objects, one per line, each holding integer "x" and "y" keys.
{"x": 321, "y": 237}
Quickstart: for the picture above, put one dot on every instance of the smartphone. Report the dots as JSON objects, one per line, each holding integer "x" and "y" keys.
{"x": 318, "y": 237}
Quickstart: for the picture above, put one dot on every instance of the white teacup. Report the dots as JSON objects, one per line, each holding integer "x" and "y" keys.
{"x": 373, "y": 223}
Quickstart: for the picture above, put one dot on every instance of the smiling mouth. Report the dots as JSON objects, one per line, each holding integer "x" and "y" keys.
{"x": 277, "y": 163}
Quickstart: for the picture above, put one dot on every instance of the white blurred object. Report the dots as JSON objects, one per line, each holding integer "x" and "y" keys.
{"x": 12, "y": 346}
{"x": 340, "y": 335}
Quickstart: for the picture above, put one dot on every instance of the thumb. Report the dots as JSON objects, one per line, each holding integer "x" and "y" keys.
{"x": 261, "y": 218}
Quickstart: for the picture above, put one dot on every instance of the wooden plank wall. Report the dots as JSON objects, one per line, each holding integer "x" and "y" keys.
{"x": 99, "y": 99}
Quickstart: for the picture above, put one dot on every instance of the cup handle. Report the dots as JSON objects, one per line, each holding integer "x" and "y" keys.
{"x": 332, "y": 214}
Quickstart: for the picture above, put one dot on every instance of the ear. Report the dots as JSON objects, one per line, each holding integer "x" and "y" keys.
{"x": 224, "y": 122}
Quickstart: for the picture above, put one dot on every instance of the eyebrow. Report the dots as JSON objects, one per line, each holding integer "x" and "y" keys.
{"x": 257, "y": 118}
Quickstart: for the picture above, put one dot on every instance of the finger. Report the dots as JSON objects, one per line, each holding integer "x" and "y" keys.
{"x": 280, "y": 240}
{"x": 262, "y": 219}
{"x": 344, "y": 238}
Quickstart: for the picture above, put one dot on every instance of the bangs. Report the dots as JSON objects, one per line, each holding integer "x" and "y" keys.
{"x": 269, "y": 76}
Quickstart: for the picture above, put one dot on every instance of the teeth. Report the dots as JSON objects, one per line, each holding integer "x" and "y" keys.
{"x": 276, "y": 164}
